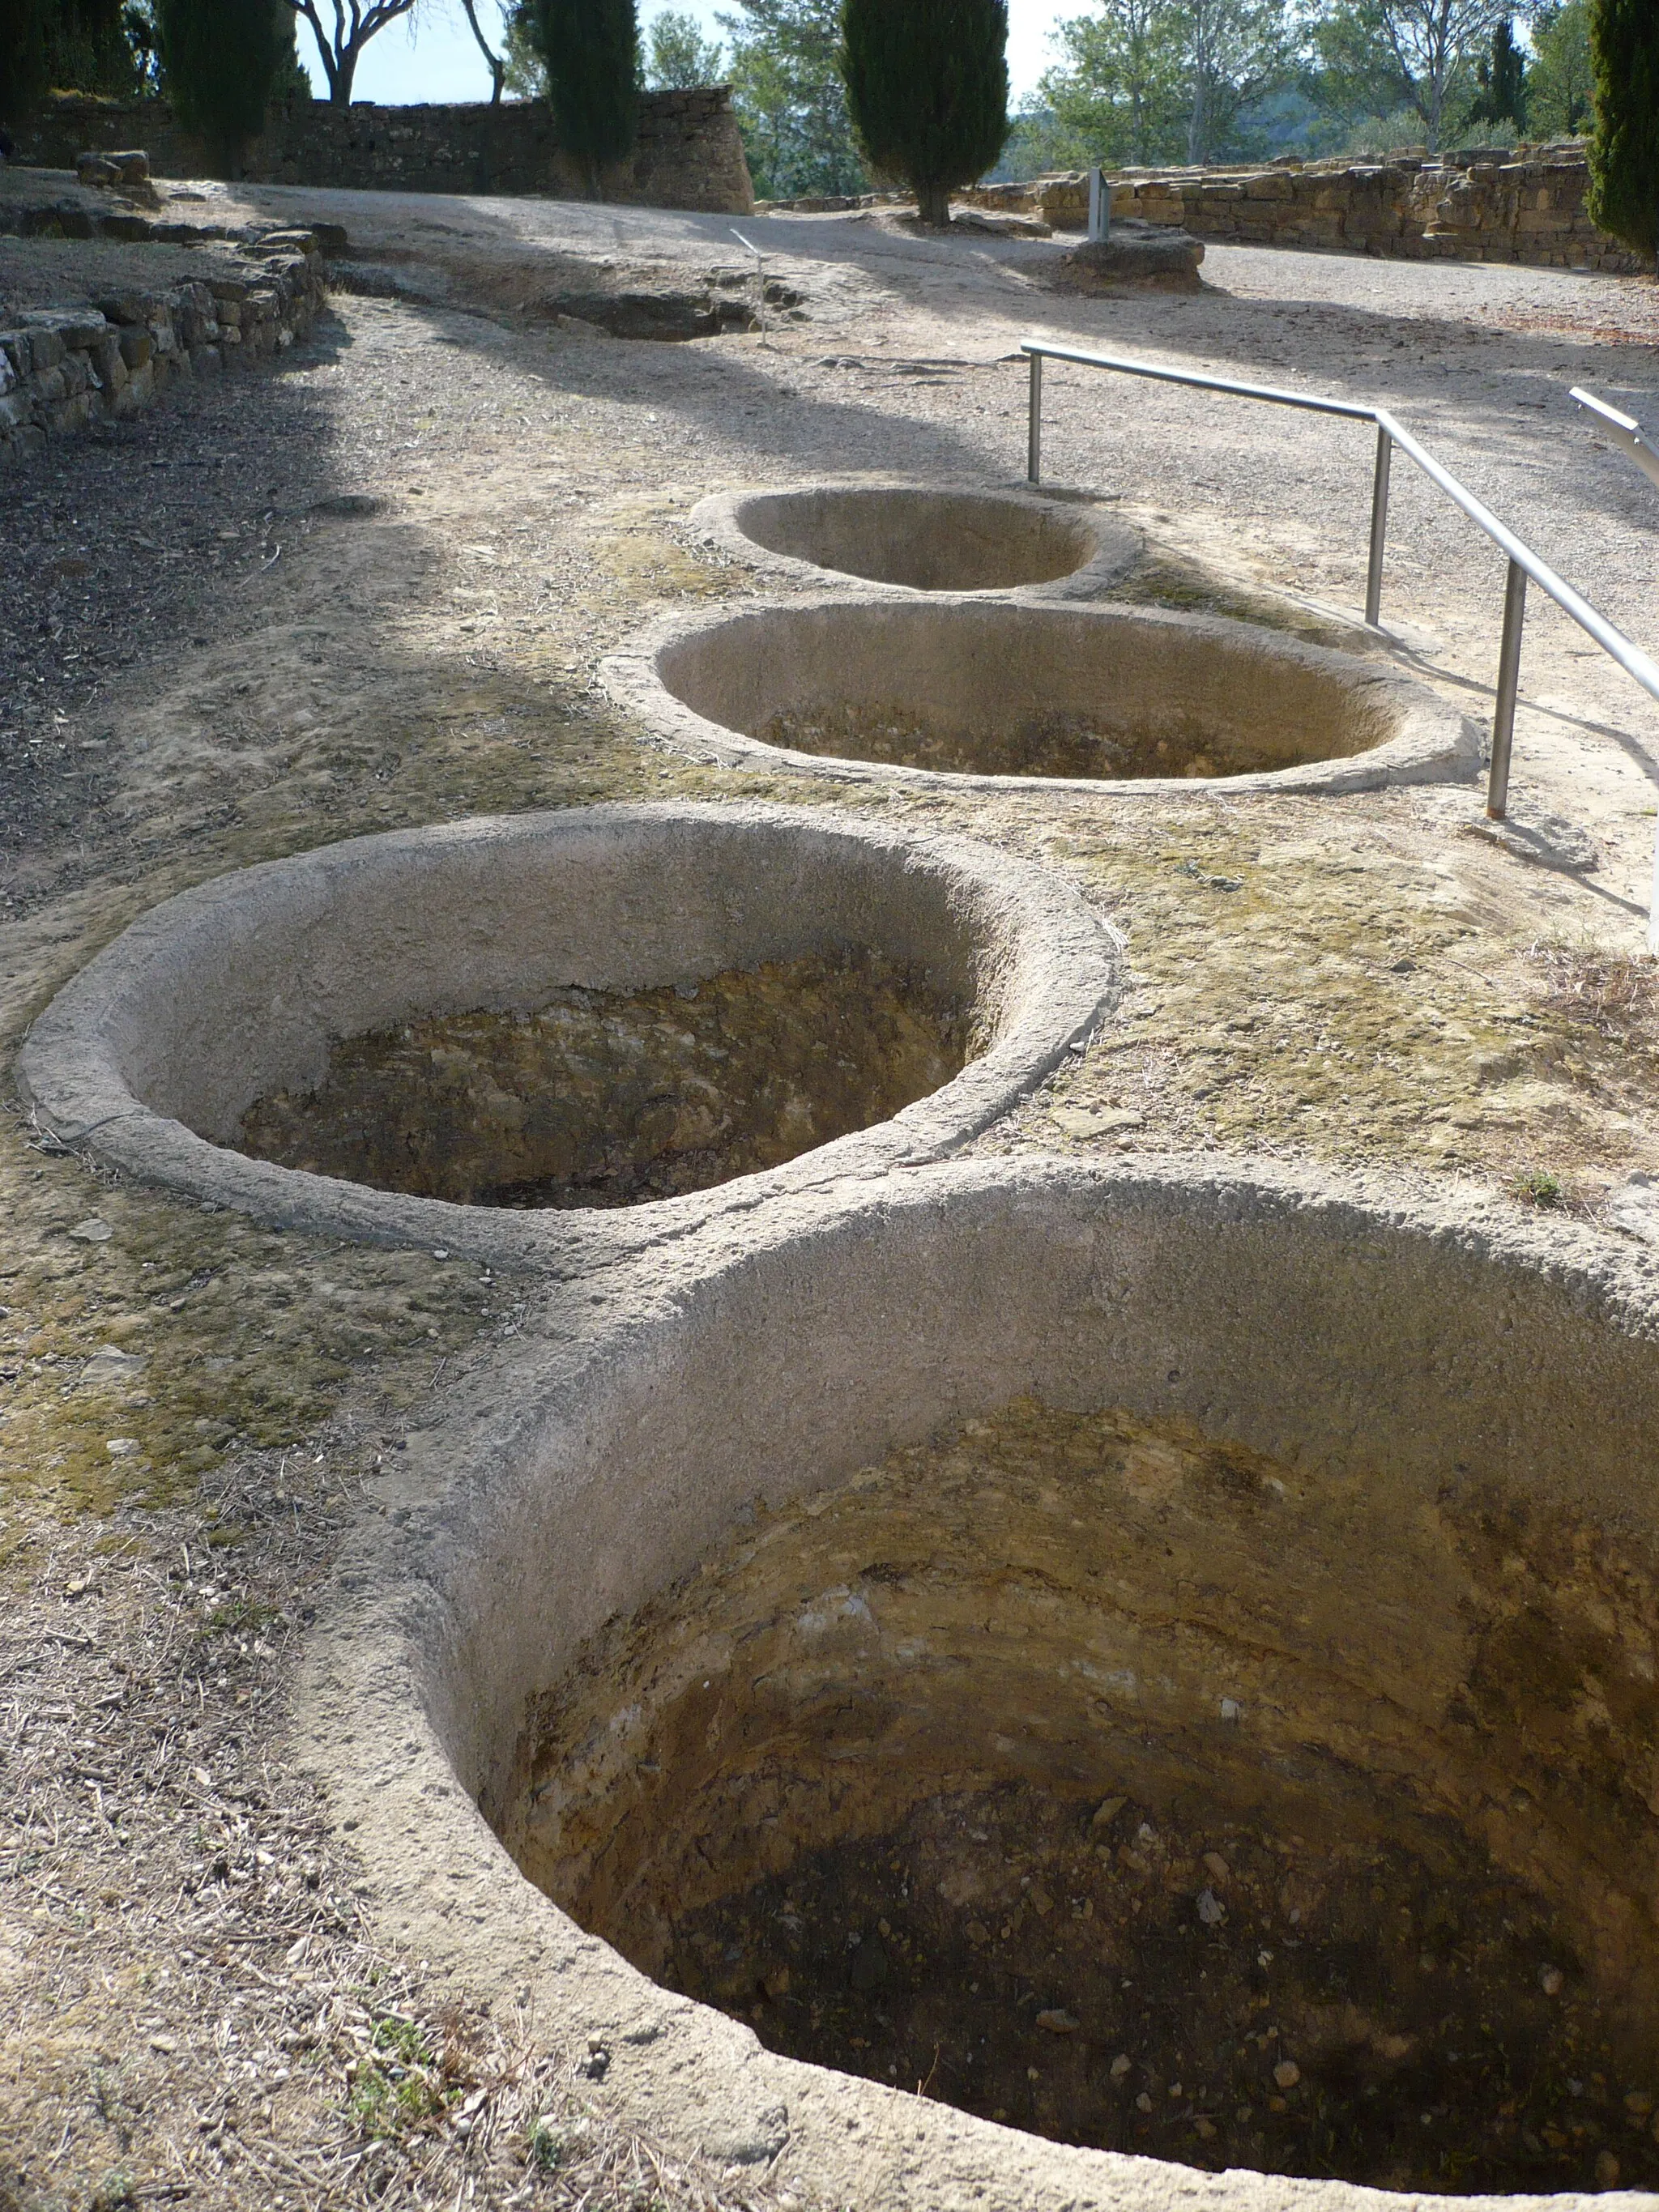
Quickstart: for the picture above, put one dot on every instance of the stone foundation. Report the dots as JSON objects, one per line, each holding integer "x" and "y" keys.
{"x": 687, "y": 153}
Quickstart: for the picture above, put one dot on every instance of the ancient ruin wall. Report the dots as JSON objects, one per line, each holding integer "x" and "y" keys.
{"x": 65, "y": 368}
{"x": 1529, "y": 209}
{"x": 688, "y": 154}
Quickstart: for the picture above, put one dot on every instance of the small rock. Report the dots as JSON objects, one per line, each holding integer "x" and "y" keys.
{"x": 1550, "y": 1980}
{"x": 110, "y": 1364}
{"x": 1143, "y": 2103}
{"x": 978, "y": 1932}
{"x": 1287, "y": 2073}
{"x": 1106, "y": 1812}
{"x": 1216, "y": 1865}
{"x": 93, "y": 1230}
{"x": 1606, "y": 2170}
{"x": 121, "y": 1446}
{"x": 1211, "y": 1910}
{"x": 1058, "y": 2022}
{"x": 1120, "y": 2066}
{"x": 1042, "y": 1903}
{"x": 1637, "y": 2102}
{"x": 164, "y": 2043}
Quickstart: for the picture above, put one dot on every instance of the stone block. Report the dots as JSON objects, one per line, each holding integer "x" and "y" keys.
{"x": 74, "y": 327}
{"x": 51, "y": 386}
{"x": 47, "y": 349}
{"x": 1267, "y": 185}
{"x": 136, "y": 348}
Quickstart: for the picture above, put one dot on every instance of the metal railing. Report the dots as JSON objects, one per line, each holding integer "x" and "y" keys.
{"x": 1624, "y": 429}
{"x": 1523, "y": 563}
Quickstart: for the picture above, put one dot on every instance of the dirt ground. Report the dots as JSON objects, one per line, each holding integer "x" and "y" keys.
{"x": 369, "y": 588}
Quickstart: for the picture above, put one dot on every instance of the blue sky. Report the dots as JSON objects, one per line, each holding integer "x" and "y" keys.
{"x": 439, "y": 61}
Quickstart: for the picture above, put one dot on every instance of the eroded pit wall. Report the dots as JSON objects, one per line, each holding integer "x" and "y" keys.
{"x": 1467, "y": 1399}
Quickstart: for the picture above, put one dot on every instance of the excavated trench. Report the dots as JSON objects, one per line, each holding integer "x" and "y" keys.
{"x": 974, "y": 687}
{"x": 1167, "y": 1667}
{"x": 922, "y": 539}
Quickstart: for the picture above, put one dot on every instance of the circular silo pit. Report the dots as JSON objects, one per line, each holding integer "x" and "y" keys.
{"x": 1162, "y": 1659}
{"x": 606, "y": 1097}
{"x": 955, "y": 1780}
{"x": 600, "y": 1008}
{"x": 922, "y": 538}
{"x": 1107, "y": 697}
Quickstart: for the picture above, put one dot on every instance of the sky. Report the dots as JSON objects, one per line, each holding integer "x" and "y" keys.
{"x": 441, "y": 61}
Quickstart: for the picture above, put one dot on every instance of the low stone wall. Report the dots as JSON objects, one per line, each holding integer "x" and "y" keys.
{"x": 65, "y": 368}
{"x": 688, "y": 154}
{"x": 1481, "y": 207}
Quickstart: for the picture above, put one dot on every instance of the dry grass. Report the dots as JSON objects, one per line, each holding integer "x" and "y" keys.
{"x": 197, "y": 2008}
{"x": 1615, "y": 995}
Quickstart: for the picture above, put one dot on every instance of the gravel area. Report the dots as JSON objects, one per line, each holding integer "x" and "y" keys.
{"x": 369, "y": 588}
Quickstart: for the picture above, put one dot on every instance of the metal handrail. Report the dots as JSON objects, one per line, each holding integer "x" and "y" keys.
{"x": 1624, "y": 429}
{"x": 1523, "y": 561}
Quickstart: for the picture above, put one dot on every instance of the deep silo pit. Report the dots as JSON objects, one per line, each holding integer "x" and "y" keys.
{"x": 600, "y": 1098}
{"x": 920, "y": 537}
{"x": 1164, "y": 1659}
{"x": 956, "y": 1780}
{"x": 1097, "y": 697}
{"x": 609, "y": 1007}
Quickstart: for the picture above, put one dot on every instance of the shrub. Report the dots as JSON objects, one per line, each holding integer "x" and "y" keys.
{"x": 220, "y": 60}
{"x": 927, "y": 89}
{"x": 590, "y": 49}
{"x": 1624, "y": 150}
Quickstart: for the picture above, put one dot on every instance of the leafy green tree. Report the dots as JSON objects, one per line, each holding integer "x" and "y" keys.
{"x": 23, "y": 59}
{"x": 87, "y": 48}
{"x": 220, "y": 60}
{"x": 1151, "y": 81}
{"x": 678, "y": 56}
{"x": 590, "y": 49}
{"x": 1624, "y": 147}
{"x": 1560, "y": 82}
{"x": 1418, "y": 54}
{"x": 1119, "y": 89}
{"x": 1236, "y": 50}
{"x": 1501, "y": 81}
{"x": 790, "y": 101}
{"x": 928, "y": 91}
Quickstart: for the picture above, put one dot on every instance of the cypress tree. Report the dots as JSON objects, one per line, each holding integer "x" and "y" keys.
{"x": 219, "y": 60}
{"x": 1623, "y": 148}
{"x": 23, "y": 59}
{"x": 591, "y": 49}
{"x": 927, "y": 89}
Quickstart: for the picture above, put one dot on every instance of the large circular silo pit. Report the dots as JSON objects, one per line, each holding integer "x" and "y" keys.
{"x": 598, "y": 1009}
{"x": 1089, "y": 698}
{"x": 1185, "y": 1689}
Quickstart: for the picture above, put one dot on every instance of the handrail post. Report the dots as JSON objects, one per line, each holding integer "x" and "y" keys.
{"x": 1508, "y": 683}
{"x": 1379, "y": 526}
{"x": 1034, "y": 426}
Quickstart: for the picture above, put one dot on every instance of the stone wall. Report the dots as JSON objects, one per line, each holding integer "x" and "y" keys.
{"x": 1481, "y": 206}
{"x": 65, "y": 368}
{"x": 688, "y": 154}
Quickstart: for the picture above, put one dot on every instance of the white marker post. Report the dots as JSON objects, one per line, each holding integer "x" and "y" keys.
{"x": 1100, "y": 207}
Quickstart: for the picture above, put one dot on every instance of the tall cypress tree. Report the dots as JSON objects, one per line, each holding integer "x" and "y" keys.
{"x": 592, "y": 51}
{"x": 927, "y": 89}
{"x": 220, "y": 60}
{"x": 23, "y": 59}
{"x": 1624, "y": 147}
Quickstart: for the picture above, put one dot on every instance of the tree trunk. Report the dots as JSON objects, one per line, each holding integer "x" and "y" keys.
{"x": 339, "y": 88}
{"x": 933, "y": 204}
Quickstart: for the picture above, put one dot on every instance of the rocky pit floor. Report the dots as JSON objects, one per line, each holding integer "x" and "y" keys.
{"x": 370, "y": 588}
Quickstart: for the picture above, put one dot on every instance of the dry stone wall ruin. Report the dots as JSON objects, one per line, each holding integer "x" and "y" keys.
{"x": 687, "y": 153}
{"x": 1475, "y": 205}
{"x": 63, "y": 369}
